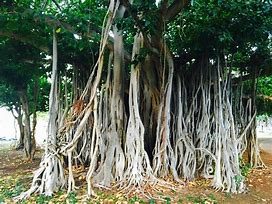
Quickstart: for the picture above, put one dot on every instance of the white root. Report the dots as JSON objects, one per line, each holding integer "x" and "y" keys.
{"x": 137, "y": 161}
{"x": 196, "y": 125}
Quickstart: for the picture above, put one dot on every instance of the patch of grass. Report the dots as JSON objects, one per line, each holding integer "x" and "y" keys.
{"x": 245, "y": 169}
{"x": 72, "y": 198}
{"x": 180, "y": 200}
{"x": 238, "y": 180}
{"x": 8, "y": 191}
{"x": 135, "y": 199}
{"x": 42, "y": 115}
{"x": 43, "y": 199}
{"x": 152, "y": 201}
{"x": 112, "y": 198}
{"x": 6, "y": 146}
{"x": 202, "y": 199}
{"x": 168, "y": 200}
{"x": 212, "y": 198}
{"x": 227, "y": 194}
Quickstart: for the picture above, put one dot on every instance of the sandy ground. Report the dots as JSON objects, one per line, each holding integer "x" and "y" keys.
{"x": 264, "y": 134}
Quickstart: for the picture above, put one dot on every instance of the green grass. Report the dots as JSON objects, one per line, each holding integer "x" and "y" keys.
{"x": 202, "y": 199}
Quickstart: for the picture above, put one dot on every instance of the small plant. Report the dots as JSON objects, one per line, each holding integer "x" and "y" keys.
{"x": 212, "y": 198}
{"x": 227, "y": 194}
{"x": 18, "y": 189}
{"x": 60, "y": 192}
{"x": 194, "y": 199}
{"x": 43, "y": 199}
{"x": 2, "y": 198}
{"x": 133, "y": 199}
{"x": 180, "y": 201}
{"x": 71, "y": 198}
{"x": 141, "y": 201}
{"x": 238, "y": 180}
{"x": 168, "y": 200}
{"x": 203, "y": 200}
{"x": 245, "y": 168}
{"x": 262, "y": 118}
{"x": 12, "y": 192}
{"x": 152, "y": 201}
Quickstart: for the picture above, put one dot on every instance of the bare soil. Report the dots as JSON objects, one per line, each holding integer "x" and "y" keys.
{"x": 259, "y": 183}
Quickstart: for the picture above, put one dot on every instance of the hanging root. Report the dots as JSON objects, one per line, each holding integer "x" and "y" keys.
{"x": 138, "y": 170}
{"x": 48, "y": 178}
{"x": 193, "y": 123}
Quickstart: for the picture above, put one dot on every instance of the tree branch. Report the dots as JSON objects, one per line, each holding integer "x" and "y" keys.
{"x": 24, "y": 39}
{"x": 55, "y": 23}
{"x": 176, "y": 7}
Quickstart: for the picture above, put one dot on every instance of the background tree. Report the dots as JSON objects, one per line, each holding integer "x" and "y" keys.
{"x": 10, "y": 100}
{"x": 20, "y": 71}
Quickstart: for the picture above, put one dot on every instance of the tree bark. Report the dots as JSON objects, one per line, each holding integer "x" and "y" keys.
{"x": 21, "y": 128}
{"x": 27, "y": 130}
{"x": 34, "y": 119}
{"x": 19, "y": 118}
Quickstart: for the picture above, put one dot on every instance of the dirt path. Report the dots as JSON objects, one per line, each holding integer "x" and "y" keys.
{"x": 266, "y": 144}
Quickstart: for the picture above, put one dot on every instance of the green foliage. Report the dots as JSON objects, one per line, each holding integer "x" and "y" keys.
{"x": 245, "y": 167}
{"x": 263, "y": 95}
{"x": 238, "y": 30}
{"x": 42, "y": 199}
{"x": 19, "y": 68}
{"x": 202, "y": 199}
{"x": 8, "y": 97}
{"x": 264, "y": 106}
{"x": 168, "y": 200}
{"x": 135, "y": 199}
{"x": 71, "y": 198}
{"x": 262, "y": 117}
{"x": 152, "y": 201}
{"x": 265, "y": 86}
{"x": 208, "y": 25}
{"x": 141, "y": 56}
{"x": 238, "y": 180}
{"x": 8, "y": 192}
{"x": 227, "y": 194}
{"x": 17, "y": 64}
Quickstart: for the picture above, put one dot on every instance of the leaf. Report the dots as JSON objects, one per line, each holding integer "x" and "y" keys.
{"x": 58, "y": 30}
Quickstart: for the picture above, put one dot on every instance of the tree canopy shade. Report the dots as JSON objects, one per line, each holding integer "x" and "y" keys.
{"x": 19, "y": 79}
{"x": 146, "y": 90}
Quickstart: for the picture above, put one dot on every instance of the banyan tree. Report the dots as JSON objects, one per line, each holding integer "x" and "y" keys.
{"x": 147, "y": 112}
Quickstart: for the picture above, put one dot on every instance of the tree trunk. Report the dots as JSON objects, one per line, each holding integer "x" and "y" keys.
{"x": 34, "y": 119}
{"x": 27, "y": 130}
{"x": 19, "y": 117}
{"x": 192, "y": 127}
{"x": 53, "y": 100}
{"x": 252, "y": 142}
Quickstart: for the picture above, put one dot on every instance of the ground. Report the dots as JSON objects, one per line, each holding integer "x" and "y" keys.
{"x": 16, "y": 175}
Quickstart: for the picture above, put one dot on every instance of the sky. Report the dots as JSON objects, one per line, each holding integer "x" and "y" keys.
{"x": 9, "y": 128}
{"x": 7, "y": 125}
